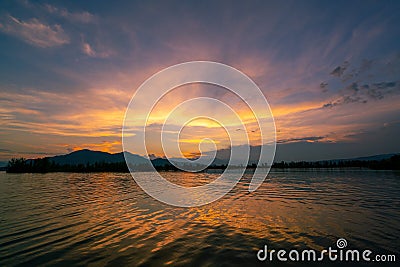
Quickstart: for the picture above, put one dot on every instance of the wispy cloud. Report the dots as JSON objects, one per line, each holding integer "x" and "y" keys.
{"x": 41, "y": 112}
{"x": 339, "y": 70}
{"x": 301, "y": 139}
{"x": 369, "y": 80}
{"x": 356, "y": 93}
{"x": 88, "y": 50}
{"x": 107, "y": 146}
{"x": 82, "y": 17}
{"x": 300, "y": 67}
{"x": 35, "y": 32}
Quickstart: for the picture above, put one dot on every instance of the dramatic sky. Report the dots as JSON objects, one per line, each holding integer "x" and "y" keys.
{"x": 329, "y": 70}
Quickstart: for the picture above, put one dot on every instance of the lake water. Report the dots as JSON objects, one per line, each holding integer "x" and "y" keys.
{"x": 97, "y": 219}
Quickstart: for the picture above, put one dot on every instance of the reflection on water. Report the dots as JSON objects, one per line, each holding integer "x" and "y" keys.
{"x": 106, "y": 219}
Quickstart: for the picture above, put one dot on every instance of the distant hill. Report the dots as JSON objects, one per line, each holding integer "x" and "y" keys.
{"x": 96, "y": 161}
{"x": 367, "y": 158}
{"x": 87, "y": 156}
{"x": 159, "y": 162}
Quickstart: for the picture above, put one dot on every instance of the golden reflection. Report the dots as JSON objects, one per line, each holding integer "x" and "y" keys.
{"x": 114, "y": 213}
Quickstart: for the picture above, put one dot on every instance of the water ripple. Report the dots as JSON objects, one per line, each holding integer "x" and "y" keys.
{"x": 106, "y": 219}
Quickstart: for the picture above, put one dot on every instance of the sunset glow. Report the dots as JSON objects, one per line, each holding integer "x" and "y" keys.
{"x": 68, "y": 89}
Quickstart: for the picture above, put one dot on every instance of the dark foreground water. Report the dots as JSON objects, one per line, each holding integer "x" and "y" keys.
{"x": 71, "y": 219}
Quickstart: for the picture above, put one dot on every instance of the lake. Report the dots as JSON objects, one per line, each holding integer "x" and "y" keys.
{"x": 105, "y": 219}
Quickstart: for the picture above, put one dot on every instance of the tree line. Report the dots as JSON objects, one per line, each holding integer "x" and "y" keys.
{"x": 44, "y": 165}
{"x": 392, "y": 163}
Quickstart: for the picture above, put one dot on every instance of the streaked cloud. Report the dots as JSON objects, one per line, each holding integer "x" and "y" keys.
{"x": 302, "y": 139}
{"x": 363, "y": 82}
{"x": 88, "y": 50}
{"x": 36, "y": 111}
{"x": 82, "y": 17}
{"x": 35, "y": 32}
{"x": 339, "y": 70}
{"x": 328, "y": 81}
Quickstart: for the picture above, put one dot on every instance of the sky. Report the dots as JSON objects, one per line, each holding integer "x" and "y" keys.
{"x": 329, "y": 70}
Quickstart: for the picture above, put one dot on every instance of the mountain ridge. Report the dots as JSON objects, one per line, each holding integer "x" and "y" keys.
{"x": 97, "y": 161}
{"x": 87, "y": 156}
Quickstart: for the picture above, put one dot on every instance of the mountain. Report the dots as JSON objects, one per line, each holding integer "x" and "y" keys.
{"x": 375, "y": 157}
{"x": 159, "y": 162}
{"x": 222, "y": 156}
{"x": 204, "y": 161}
{"x": 87, "y": 156}
{"x": 367, "y": 158}
{"x": 95, "y": 161}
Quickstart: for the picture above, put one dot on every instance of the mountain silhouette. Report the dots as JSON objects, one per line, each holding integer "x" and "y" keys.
{"x": 87, "y": 156}
{"x": 94, "y": 161}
